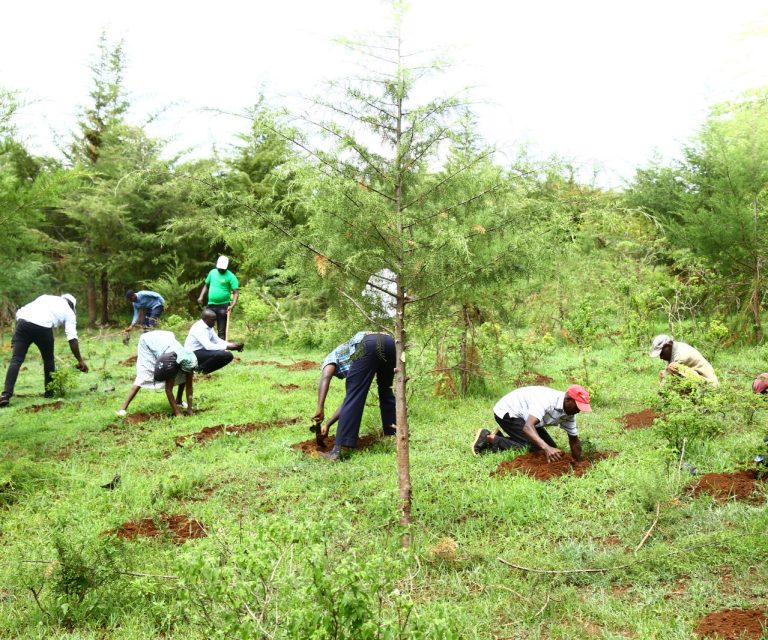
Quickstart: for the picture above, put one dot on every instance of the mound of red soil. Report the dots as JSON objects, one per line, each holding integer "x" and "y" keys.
{"x": 640, "y": 420}
{"x": 739, "y": 485}
{"x": 136, "y": 418}
{"x": 40, "y": 407}
{"x": 209, "y": 433}
{"x": 285, "y": 387}
{"x": 301, "y": 365}
{"x": 535, "y": 465}
{"x": 177, "y": 528}
{"x": 310, "y": 447}
{"x": 533, "y": 378}
{"x": 734, "y": 624}
{"x": 129, "y": 362}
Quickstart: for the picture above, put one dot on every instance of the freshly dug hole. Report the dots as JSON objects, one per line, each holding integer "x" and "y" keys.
{"x": 209, "y": 433}
{"x": 535, "y": 465}
{"x": 311, "y": 448}
{"x": 733, "y": 624}
{"x": 739, "y": 485}
{"x": 640, "y": 420}
{"x": 177, "y": 528}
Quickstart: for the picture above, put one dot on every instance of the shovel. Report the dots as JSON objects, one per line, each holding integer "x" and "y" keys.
{"x": 319, "y": 437}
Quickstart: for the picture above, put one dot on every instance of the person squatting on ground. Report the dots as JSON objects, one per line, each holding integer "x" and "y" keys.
{"x": 162, "y": 362}
{"x": 35, "y": 323}
{"x": 357, "y": 361}
{"x": 223, "y": 291}
{"x": 523, "y": 415}
{"x": 147, "y": 305}
{"x": 760, "y": 384}
{"x": 212, "y": 352}
{"x": 683, "y": 360}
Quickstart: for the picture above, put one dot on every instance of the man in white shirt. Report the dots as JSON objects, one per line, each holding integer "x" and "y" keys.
{"x": 523, "y": 415}
{"x": 35, "y": 323}
{"x": 212, "y": 352}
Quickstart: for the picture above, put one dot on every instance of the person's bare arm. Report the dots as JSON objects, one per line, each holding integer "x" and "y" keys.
{"x": 529, "y": 429}
{"x": 322, "y": 392}
{"x": 575, "y": 445}
{"x": 201, "y": 297}
{"x": 74, "y": 346}
{"x": 235, "y": 298}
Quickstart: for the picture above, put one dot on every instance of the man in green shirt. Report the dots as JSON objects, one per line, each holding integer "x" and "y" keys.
{"x": 223, "y": 290}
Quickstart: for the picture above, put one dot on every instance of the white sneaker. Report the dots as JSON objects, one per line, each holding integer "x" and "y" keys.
{"x": 183, "y": 405}
{"x": 121, "y": 412}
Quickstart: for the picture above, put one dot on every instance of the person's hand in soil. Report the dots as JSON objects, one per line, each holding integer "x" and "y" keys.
{"x": 553, "y": 455}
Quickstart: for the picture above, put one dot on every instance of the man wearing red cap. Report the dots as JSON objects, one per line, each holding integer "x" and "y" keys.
{"x": 523, "y": 414}
{"x": 760, "y": 384}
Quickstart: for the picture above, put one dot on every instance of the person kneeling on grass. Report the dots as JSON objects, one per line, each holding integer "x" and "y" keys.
{"x": 358, "y": 360}
{"x": 162, "y": 362}
{"x": 523, "y": 414}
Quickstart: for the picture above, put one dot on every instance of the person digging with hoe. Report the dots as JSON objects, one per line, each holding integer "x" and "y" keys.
{"x": 162, "y": 362}
{"x": 223, "y": 291}
{"x": 35, "y": 323}
{"x": 523, "y": 414}
{"x": 147, "y": 308}
{"x": 358, "y": 360}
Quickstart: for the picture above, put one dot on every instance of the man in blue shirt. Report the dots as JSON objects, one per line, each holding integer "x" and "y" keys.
{"x": 147, "y": 306}
{"x": 357, "y": 361}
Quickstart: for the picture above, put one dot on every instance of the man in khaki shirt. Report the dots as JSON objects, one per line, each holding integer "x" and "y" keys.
{"x": 683, "y": 360}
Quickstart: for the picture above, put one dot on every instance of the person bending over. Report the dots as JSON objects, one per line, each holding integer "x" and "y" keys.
{"x": 524, "y": 414}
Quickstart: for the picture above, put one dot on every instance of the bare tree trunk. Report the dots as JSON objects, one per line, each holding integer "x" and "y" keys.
{"x": 104, "y": 298}
{"x": 401, "y": 407}
{"x": 464, "y": 357}
{"x": 91, "y": 298}
{"x": 757, "y": 327}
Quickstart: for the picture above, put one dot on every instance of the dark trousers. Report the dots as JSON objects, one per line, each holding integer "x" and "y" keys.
{"x": 515, "y": 438}
{"x": 26, "y": 334}
{"x": 221, "y": 318}
{"x": 151, "y": 316}
{"x": 375, "y": 356}
{"x": 209, "y": 360}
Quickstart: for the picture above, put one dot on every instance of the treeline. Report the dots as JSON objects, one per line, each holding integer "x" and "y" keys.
{"x": 309, "y": 208}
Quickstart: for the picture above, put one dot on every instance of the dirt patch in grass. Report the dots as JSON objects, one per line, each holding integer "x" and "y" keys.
{"x": 286, "y": 387}
{"x": 129, "y": 361}
{"x": 301, "y": 365}
{"x": 311, "y": 448}
{"x": 35, "y": 408}
{"x": 535, "y": 465}
{"x": 135, "y": 418}
{"x": 209, "y": 433}
{"x": 533, "y": 378}
{"x": 640, "y": 420}
{"x": 739, "y": 485}
{"x": 733, "y": 624}
{"x": 176, "y": 528}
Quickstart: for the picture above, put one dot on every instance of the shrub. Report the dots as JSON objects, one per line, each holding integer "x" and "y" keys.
{"x": 63, "y": 381}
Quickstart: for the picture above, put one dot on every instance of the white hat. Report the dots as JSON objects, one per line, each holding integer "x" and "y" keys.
{"x": 658, "y": 344}
{"x": 70, "y": 298}
{"x": 222, "y": 262}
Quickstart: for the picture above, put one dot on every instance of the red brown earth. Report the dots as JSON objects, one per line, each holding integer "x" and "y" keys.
{"x": 301, "y": 365}
{"x": 35, "y": 408}
{"x": 176, "y": 528}
{"x": 286, "y": 387}
{"x": 311, "y": 448}
{"x": 739, "y": 485}
{"x": 209, "y": 433}
{"x": 733, "y": 624}
{"x": 533, "y": 378}
{"x": 136, "y": 418}
{"x": 130, "y": 361}
{"x": 535, "y": 465}
{"x": 640, "y": 420}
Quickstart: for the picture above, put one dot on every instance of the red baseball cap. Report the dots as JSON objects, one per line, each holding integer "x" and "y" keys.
{"x": 580, "y": 396}
{"x": 761, "y": 383}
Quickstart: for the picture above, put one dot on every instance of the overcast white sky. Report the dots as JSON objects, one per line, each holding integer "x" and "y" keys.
{"x": 601, "y": 82}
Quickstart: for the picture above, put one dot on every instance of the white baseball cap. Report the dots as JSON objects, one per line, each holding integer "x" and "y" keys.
{"x": 222, "y": 262}
{"x": 70, "y": 298}
{"x": 658, "y": 344}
